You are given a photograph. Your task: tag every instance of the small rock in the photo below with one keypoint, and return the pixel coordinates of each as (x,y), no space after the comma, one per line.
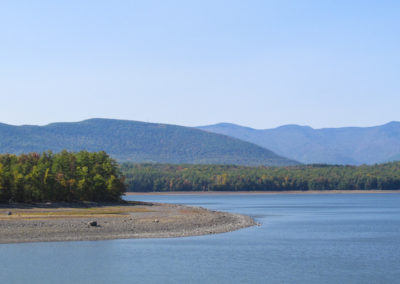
(8,213)
(92,223)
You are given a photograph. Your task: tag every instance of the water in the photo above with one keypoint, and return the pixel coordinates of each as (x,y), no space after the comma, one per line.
(303,239)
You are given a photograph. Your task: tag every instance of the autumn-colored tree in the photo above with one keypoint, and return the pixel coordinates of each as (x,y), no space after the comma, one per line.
(65,176)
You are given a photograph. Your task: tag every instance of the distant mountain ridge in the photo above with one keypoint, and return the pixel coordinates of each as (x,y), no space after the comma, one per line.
(347,145)
(133,141)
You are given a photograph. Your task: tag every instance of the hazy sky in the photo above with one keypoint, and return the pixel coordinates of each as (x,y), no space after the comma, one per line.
(255,63)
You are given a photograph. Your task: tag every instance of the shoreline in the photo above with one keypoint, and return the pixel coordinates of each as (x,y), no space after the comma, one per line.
(63,222)
(264,192)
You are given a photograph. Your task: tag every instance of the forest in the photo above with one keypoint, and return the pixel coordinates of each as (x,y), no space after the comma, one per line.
(162,177)
(95,176)
(65,176)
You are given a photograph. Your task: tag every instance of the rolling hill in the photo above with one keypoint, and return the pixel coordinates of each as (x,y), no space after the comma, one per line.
(348,145)
(133,141)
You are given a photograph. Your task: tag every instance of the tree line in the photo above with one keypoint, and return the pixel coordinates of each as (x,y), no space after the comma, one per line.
(65,176)
(162,177)
(94,176)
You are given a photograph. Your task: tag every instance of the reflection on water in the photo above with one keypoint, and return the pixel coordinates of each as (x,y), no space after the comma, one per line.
(303,239)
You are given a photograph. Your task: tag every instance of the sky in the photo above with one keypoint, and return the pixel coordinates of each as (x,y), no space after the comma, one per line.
(255,63)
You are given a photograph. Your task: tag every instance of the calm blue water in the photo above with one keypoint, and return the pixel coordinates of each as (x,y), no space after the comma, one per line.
(303,239)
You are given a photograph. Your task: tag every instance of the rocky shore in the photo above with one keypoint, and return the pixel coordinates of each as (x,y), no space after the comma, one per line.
(96,221)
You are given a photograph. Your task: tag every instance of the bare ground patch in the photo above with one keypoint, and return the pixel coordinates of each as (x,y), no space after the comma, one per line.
(70,222)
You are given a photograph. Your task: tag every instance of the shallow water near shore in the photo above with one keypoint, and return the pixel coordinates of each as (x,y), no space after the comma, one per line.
(352,238)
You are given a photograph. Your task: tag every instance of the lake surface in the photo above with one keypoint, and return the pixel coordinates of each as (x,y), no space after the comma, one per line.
(333,238)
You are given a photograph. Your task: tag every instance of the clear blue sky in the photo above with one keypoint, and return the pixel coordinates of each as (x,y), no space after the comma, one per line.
(255,63)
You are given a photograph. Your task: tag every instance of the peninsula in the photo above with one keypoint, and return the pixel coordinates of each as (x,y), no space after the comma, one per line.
(78,196)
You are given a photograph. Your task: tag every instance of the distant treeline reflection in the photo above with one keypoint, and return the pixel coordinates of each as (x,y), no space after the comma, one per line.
(166,177)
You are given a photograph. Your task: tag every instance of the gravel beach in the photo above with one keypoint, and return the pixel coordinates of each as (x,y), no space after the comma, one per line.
(71,222)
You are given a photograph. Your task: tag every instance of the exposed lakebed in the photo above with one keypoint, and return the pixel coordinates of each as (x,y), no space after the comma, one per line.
(102,221)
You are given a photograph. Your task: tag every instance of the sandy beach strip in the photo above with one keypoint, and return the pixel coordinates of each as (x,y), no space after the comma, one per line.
(264,192)
(70,222)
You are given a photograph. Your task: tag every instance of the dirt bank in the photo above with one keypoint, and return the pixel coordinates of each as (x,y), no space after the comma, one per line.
(70,222)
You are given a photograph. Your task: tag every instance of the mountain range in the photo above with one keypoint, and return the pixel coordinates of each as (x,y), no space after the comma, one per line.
(133,141)
(223,143)
(347,145)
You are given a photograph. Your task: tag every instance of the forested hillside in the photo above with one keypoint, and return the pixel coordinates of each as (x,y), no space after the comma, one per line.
(64,176)
(137,142)
(346,145)
(156,177)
